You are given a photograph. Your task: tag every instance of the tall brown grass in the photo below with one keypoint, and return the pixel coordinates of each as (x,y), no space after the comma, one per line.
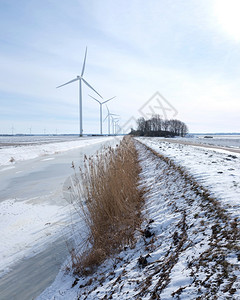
(111,201)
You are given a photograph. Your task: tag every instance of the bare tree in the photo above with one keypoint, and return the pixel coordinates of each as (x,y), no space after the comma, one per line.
(141,124)
(165,125)
(158,127)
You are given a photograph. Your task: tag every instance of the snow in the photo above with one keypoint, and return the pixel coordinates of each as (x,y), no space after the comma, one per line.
(28,225)
(193,251)
(27,228)
(9,155)
(231,141)
(216,169)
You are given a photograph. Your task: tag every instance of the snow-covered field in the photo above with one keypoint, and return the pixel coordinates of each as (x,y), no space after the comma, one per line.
(28,224)
(10,154)
(188,246)
(34,139)
(217,169)
(231,141)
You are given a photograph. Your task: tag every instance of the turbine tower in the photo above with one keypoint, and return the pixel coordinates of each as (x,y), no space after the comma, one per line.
(101,103)
(80,79)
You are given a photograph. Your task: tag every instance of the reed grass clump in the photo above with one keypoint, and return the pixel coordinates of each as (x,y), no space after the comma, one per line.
(111,201)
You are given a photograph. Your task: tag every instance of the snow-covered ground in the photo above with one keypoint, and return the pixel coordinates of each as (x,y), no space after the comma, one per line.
(30,222)
(10,154)
(217,169)
(191,249)
(34,139)
(231,141)
(27,228)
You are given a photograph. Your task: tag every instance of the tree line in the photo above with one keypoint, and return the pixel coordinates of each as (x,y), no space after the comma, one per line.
(159,127)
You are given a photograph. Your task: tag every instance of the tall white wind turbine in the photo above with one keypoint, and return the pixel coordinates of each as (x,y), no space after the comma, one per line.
(101,103)
(80,79)
(109,115)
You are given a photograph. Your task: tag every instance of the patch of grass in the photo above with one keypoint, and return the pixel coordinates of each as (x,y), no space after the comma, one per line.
(111,202)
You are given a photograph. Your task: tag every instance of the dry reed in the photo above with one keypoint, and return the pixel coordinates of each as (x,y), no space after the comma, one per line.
(111,201)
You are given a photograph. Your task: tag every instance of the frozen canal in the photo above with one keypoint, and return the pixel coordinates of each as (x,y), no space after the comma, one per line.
(36,220)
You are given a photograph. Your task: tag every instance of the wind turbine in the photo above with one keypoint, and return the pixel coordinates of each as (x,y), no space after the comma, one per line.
(101,103)
(114,124)
(109,115)
(116,127)
(80,79)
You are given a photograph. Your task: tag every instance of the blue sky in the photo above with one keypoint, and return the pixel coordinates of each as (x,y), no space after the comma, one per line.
(186,50)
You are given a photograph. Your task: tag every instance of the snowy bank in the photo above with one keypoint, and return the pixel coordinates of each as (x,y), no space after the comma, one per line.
(11,155)
(216,169)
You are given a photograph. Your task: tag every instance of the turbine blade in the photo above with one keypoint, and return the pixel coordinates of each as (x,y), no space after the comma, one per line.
(107,109)
(106,117)
(67,83)
(91,87)
(109,99)
(94,99)
(84,62)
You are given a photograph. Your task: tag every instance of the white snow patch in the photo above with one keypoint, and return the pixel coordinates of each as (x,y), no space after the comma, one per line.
(24,227)
(11,155)
(216,169)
